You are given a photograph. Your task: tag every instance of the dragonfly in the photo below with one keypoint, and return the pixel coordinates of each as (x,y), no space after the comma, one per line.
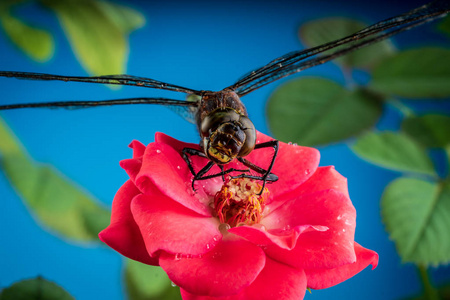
(226,131)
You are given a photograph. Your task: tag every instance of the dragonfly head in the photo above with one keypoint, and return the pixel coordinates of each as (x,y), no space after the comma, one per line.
(226,135)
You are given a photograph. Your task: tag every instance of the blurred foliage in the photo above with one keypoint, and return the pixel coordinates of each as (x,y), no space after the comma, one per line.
(37,43)
(322,31)
(395,151)
(54,200)
(311,108)
(145,282)
(97,31)
(35,289)
(414,74)
(444,26)
(417,216)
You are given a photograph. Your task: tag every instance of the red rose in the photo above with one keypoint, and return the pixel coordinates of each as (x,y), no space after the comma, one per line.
(297,234)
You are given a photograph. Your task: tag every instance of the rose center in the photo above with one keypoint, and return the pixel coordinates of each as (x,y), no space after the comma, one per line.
(238,203)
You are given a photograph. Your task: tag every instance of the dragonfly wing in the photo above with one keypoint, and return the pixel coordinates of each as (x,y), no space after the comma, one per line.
(107,79)
(87,104)
(186,112)
(297,61)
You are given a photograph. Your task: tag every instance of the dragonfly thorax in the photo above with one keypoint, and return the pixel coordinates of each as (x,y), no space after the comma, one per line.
(226,135)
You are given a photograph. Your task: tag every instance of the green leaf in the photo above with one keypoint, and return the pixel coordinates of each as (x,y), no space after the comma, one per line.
(394,151)
(56,202)
(125,18)
(97,32)
(444,26)
(418,73)
(35,289)
(430,130)
(316,111)
(322,31)
(417,216)
(36,43)
(144,282)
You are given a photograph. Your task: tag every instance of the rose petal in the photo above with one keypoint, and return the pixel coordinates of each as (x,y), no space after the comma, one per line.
(324,178)
(138,148)
(285,238)
(276,281)
(228,268)
(325,278)
(177,145)
(166,169)
(293,164)
(123,234)
(132,166)
(167,225)
(315,249)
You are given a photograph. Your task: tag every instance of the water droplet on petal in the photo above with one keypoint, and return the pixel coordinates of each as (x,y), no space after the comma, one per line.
(208,246)
(158,151)
(290,143)
(295,144)
(307,171)
(173,284)
(178,256)
(339,217)
(224,227)
(178,167)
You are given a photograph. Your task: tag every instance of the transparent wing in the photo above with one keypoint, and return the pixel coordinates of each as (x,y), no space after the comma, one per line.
(186,109)
(297,61)
(107,79)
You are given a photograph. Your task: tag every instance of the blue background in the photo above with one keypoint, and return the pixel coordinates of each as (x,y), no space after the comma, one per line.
(202,45)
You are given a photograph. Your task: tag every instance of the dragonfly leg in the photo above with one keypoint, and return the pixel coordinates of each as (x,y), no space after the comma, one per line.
(200,175)
(266,174)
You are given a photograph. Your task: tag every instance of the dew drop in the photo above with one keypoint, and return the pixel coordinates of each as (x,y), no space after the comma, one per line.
(307,171)
(295,144)
(343,230)
(158,151)
(339,217)
(173,284)
(208,246)
(178,167)
(224,227)
(347,222)
(290,143)
(178,256)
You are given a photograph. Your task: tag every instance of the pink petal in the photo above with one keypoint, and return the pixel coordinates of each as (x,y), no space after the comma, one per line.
(325,278)
(324,178)
(228,268)
(138,148)
(316,249)
(164,168)
(123,234)
(174,143)
(285,238)
(276,281)
(132,166)
(169,226)
(293,164)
